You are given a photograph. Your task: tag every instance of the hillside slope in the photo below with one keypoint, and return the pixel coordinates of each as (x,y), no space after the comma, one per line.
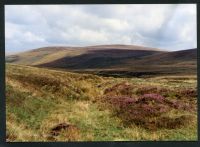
(50,54)
(111,58)
(99,59)
(176,57)
(52,105)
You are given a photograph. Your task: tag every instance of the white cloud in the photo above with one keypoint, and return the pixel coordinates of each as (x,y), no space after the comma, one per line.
(32,38)
(165,26)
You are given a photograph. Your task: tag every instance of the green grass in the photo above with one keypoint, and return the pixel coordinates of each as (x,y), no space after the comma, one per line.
(39,99)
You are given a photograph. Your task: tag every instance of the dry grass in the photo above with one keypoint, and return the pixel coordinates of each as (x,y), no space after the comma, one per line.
(50,105)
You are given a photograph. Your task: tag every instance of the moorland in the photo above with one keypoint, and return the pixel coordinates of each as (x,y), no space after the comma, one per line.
(101,93)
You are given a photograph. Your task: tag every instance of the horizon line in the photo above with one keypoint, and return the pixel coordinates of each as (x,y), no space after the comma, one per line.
(82,46)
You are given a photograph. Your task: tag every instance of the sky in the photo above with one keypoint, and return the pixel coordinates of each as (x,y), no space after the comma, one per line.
(166,26)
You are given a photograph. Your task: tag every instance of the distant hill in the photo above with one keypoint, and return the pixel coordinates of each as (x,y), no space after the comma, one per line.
(110,58)
(48,54)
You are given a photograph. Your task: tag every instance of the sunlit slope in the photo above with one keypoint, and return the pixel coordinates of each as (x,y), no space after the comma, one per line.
(42,55)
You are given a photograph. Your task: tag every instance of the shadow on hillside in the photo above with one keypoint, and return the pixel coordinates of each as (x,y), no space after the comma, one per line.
(98,59)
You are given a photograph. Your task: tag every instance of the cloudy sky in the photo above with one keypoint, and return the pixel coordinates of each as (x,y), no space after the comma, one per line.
(170,27)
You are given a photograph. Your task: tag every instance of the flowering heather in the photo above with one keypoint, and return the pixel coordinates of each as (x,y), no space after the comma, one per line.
(189,93)
(148,107)
(123,88)
(141,110)
(131,110)
(173,123)
(145,90)
(148,90)
(120,102)
(151,97)
(59,106)
(177,104)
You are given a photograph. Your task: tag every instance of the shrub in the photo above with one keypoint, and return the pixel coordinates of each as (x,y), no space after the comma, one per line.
(188,93)
(120,102)
(146,90)
(146,111)
(173,123)
(151,97)
(178,104)
(123,88)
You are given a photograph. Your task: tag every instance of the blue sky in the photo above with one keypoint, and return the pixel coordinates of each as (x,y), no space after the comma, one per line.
(169,27)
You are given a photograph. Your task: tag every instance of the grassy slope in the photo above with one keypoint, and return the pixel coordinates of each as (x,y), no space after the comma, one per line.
(107,58)
(49,54)
(42,55)
(38,99)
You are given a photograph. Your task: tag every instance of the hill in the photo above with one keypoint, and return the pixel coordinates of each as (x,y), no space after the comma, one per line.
(176,57)
(48,54)
(108,59)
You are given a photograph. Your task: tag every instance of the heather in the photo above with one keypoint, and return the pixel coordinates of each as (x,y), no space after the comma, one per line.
(53,105)
(147,111)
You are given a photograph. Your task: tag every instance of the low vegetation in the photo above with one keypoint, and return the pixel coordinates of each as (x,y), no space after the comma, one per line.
(53,105)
